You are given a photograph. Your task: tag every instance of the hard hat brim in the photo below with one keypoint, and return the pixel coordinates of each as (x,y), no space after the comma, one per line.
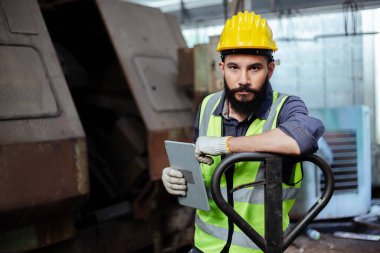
(246,47)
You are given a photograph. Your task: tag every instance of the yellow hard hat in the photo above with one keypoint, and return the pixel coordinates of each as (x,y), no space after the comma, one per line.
(246,31)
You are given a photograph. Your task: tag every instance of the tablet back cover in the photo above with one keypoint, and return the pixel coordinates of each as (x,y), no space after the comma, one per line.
(181,157)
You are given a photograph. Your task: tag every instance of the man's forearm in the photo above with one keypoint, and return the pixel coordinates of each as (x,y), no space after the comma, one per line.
(274,141)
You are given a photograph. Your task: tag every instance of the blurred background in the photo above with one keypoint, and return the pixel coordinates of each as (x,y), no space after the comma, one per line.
(89,91)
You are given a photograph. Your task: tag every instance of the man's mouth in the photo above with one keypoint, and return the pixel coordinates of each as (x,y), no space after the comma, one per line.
(244,90)
(244,93)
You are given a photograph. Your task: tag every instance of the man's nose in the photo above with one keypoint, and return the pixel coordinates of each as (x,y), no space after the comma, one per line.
(244,78)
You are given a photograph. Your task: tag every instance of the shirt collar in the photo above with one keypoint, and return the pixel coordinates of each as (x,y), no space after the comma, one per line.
(261,113)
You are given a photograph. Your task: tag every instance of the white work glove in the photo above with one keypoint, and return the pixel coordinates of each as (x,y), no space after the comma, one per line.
(205,147)
(174,181)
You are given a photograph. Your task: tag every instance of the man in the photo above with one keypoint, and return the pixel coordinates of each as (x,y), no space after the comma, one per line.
(248,116)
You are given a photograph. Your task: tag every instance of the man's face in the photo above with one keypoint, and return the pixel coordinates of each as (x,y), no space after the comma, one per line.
(246,75)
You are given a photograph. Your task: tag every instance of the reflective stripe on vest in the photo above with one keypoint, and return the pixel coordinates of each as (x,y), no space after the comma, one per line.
(254,196)
(210,106)
(268,126)
(238,238)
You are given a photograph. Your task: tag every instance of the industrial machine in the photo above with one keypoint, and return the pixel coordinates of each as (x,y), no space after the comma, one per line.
(84,112)
(348,138)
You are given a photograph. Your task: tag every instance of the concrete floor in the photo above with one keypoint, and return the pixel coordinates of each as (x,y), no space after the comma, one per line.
(330,244)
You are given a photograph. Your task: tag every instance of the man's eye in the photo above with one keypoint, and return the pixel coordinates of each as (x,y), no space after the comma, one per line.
(233,67)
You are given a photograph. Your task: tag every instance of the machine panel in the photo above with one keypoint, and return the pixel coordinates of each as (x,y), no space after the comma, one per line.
(25,90)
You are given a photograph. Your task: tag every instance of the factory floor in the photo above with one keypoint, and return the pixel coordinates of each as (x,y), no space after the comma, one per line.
(368,227)
(328,243)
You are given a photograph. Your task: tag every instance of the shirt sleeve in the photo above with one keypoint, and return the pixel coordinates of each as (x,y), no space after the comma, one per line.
(295,121)
(196,125)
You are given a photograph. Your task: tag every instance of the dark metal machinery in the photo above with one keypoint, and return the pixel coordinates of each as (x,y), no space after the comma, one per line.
(274,241)
(83,116)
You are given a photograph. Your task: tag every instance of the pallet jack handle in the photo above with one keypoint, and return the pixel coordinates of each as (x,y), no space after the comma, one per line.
(274,241)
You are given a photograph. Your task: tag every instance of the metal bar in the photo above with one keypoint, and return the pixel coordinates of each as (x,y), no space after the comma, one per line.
(224,206)
(273,205)
(273,242)
(319,205)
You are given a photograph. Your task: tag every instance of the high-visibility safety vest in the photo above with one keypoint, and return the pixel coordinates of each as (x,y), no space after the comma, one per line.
(211,228)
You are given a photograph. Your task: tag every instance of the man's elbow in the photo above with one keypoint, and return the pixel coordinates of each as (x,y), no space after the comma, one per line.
(308,148)
(303,143)
(297,151)
(294,149)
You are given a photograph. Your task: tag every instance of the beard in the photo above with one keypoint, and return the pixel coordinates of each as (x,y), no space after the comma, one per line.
(246,107)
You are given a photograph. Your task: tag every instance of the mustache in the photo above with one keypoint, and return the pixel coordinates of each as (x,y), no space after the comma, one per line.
(245,88)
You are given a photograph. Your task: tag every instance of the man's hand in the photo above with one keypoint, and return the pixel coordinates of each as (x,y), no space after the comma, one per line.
(174,181)
(205,147)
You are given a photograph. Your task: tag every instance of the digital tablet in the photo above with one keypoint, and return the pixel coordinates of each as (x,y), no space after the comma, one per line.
(181,157)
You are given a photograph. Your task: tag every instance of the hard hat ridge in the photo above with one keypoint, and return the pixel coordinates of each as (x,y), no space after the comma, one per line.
(246,31)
